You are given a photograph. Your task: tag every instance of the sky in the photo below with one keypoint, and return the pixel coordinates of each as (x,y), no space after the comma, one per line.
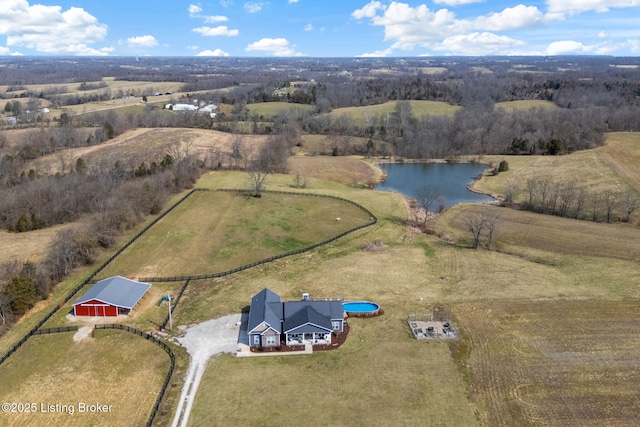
(319,28)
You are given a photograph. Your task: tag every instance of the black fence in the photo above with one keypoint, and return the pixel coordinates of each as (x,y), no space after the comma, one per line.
(373,220)
(162,345)
(44,331)
(91,279)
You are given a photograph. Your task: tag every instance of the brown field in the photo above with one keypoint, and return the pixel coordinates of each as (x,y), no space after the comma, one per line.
(109,369)
(511,106)
(30,246)
(555,363)
(622,153)
(346,170)
(146,144)
(551,233)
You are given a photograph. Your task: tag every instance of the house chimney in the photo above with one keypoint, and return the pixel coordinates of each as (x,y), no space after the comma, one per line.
(305,296)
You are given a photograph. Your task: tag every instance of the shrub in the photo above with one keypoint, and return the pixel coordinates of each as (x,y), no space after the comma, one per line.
(504,166)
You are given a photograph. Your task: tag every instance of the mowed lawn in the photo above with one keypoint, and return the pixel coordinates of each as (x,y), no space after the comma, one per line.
(115,368)
(212,232)
(354,385)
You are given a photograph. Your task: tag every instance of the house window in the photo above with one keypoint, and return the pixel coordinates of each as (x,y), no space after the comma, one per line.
(256,339)
(335,325)
(271,340)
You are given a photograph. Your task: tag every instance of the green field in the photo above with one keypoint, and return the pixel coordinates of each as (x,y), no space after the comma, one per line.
(269,109)
(115,368)
(418,108)
(212,232)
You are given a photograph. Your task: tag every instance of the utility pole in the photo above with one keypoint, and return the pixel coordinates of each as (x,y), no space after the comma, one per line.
(170,320)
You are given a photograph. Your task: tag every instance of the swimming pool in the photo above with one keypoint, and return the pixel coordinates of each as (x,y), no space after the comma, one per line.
(359,307)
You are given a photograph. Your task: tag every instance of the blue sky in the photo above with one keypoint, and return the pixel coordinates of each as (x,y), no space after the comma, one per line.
(319,28)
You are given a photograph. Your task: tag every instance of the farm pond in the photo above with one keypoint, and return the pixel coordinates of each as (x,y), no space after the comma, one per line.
(451,180)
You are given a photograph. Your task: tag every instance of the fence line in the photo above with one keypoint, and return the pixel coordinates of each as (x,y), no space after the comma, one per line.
(162,345)
(373,220)
(187,279)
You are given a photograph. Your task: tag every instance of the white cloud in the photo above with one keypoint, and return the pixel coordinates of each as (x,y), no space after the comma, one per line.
(409,27)
(226,3)
(275,47)
(216,31)
(215,18)
(293,1)
(4,50)
(559,8)
(565,47)
(456,2)
(217,52)
(571,47)
(308,27)
(369,10)
(478,44)
(253,7)
(194,9)
(511,18)
(50,29)
(603,34)
(377,53)
(142,41)
(193,47)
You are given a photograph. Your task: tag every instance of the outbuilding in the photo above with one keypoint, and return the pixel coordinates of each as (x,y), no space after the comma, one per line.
(110,297)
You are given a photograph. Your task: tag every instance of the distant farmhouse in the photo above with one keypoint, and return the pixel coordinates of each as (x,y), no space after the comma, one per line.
(110,297)
(273,322)
(204,109)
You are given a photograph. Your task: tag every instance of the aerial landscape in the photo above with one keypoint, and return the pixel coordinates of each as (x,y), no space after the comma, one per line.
(436,224)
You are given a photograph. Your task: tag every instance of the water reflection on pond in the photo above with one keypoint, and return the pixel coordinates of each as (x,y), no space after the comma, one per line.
(451,179)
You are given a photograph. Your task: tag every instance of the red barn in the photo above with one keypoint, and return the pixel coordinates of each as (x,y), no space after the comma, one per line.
(110,297)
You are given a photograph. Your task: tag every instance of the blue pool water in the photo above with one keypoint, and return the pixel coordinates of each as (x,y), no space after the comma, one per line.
(360,307)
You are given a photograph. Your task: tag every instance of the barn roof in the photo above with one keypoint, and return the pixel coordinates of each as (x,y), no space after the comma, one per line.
(117,290)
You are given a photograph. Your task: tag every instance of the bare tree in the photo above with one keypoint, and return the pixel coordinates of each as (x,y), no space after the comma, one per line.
(631,201)
(257,180)
(609,201)
(425,196)
(479,224)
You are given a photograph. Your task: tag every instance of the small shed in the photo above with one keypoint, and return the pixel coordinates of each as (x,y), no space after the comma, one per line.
(110,297)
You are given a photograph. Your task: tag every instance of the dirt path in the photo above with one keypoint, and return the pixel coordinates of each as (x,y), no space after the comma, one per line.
(203,341)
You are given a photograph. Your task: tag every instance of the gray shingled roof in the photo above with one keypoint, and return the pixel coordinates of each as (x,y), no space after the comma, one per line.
(117,290)
(265,307)
(305,315)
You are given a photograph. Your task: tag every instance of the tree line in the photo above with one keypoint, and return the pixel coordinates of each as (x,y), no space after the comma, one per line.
(568,199)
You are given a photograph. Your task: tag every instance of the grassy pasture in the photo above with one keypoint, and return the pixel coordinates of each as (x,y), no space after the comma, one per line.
(353,385)
(270,109)
(553,362)
(214,231)
(551,233)
(622,153)
(345,170)
(115,368)
(29,246)
(418,108)
(586,168)
(511,106)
